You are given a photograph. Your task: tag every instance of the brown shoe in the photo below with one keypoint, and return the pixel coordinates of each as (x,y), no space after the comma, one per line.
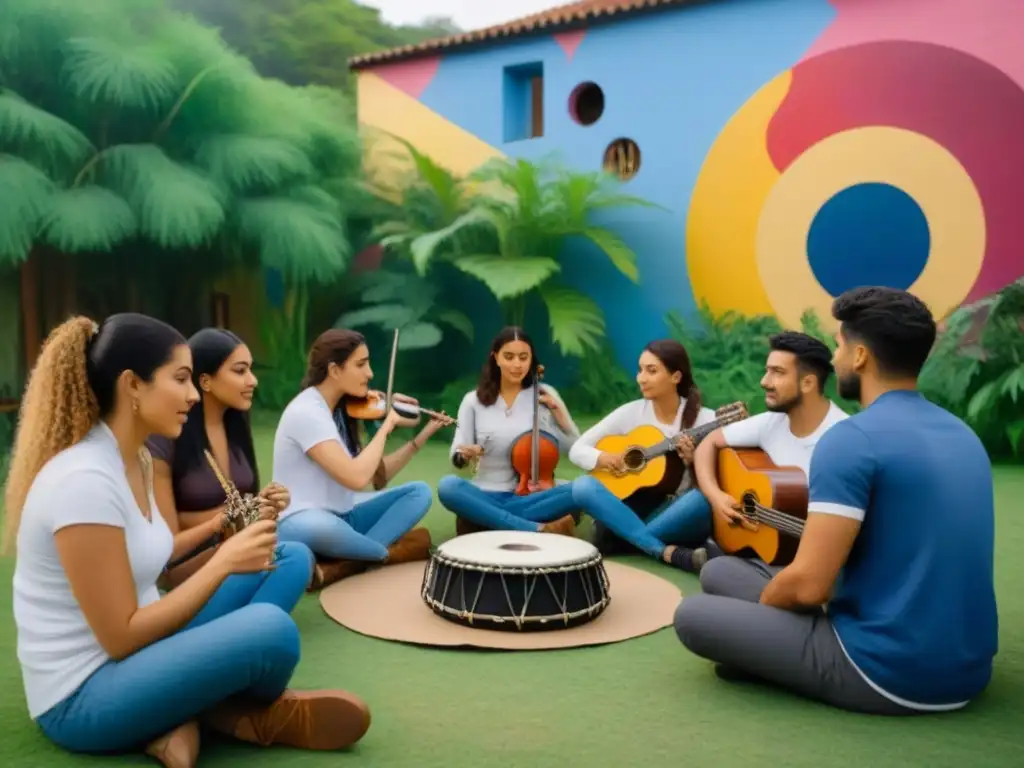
(327,572)
(564,526)
(320,720)
(463,526)
(177,749)
(415,545)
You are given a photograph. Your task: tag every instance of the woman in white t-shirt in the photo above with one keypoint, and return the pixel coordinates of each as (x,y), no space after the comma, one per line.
(671,402)
(108,663)
(491,418)
(319,459)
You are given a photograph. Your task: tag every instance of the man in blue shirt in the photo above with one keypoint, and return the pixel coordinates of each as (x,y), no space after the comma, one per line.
(889,605)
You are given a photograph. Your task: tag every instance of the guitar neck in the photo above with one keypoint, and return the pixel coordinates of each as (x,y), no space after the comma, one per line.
(694,433)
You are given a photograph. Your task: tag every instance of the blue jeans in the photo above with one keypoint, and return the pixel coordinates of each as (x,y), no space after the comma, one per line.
(686,520)
(242,642)
(364,532)
(504,510)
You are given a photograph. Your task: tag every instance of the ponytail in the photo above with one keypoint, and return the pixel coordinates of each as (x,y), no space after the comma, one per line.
(57,410)
(692,408)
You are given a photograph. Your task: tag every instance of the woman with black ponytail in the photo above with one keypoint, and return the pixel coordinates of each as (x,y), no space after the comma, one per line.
(671,402)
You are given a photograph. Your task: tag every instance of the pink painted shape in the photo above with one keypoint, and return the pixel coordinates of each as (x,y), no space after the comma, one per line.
(570,41)
(987,29)
(411,77)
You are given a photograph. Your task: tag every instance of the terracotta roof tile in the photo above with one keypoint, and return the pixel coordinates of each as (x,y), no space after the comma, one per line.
(555,19)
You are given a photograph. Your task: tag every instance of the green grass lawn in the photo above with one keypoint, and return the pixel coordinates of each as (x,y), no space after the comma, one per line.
(644,702)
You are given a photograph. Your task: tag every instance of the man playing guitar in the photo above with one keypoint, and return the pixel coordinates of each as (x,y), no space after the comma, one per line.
(796,372)
(889,605)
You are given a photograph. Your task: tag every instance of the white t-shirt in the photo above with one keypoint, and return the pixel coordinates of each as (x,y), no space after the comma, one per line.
(770,432)
(624,420)
(307,421)
(496,427)
(85,484)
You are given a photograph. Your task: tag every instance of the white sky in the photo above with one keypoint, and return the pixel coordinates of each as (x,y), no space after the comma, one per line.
(468,14)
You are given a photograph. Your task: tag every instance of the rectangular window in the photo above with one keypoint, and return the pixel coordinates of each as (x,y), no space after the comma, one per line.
(524,101)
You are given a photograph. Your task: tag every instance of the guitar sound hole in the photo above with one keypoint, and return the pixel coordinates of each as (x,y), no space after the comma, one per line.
(749,504)
(633,458)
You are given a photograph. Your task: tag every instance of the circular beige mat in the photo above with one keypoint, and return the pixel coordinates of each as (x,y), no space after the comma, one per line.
(386,603)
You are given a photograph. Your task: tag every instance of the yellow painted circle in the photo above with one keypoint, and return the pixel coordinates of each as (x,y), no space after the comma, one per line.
(920,167)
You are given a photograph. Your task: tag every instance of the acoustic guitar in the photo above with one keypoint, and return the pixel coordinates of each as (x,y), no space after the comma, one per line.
(654,470)
(772,499)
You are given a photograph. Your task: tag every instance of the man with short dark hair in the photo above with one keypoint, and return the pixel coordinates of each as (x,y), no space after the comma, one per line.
(796,371)
(889,605)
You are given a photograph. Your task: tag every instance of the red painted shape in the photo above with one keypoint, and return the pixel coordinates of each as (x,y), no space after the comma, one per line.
(411,77)
(570,41)
(972,109)
(368,260)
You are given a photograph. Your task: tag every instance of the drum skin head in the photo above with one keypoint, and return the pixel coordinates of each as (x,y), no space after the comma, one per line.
(386,603)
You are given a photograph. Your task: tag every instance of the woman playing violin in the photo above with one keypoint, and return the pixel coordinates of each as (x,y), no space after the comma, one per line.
(319,458)
(491,418)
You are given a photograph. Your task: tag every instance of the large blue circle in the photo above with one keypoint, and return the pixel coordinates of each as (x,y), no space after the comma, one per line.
(868,234)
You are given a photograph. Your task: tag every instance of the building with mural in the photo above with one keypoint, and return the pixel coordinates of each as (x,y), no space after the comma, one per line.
(796,148)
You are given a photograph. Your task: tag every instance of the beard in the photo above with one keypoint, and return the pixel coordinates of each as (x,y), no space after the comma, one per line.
(848,386)
(784,406)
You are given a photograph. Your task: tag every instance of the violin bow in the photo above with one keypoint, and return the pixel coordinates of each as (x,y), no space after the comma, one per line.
(391,373)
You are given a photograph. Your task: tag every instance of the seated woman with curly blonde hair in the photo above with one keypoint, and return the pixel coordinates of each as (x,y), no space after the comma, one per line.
(107,663)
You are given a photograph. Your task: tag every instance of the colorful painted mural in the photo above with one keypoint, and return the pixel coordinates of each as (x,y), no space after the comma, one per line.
(798,147)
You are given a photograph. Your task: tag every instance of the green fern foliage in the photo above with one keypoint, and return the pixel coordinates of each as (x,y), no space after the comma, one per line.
(122,121)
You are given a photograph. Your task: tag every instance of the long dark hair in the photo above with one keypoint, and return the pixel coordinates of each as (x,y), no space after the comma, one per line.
(73,385)
(675,358)
(489,385)
(335,346)
(211,347)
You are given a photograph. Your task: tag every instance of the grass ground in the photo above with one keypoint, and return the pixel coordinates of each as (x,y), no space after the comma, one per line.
(644,702)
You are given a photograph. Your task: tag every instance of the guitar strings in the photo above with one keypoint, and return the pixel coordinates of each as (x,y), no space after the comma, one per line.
(778,520)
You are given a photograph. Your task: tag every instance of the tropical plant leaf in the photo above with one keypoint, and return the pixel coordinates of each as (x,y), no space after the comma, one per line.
(176,206)
(1015,434)
(1013,384)
(424,248)
(106,71)
(508,278)
(87,218)
(387,316)
(242,163)
(36,135)
(615,248)
(25,193)
(577,323)
(419,335)
(984,400)
(301,241)
(457,320)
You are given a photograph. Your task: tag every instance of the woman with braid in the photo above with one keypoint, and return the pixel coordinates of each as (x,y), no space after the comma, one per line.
(671,402)
(108,663)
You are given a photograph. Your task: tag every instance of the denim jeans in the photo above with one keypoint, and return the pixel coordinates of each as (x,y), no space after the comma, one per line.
(364,532)
(504,510)
(686,520)
(242,642)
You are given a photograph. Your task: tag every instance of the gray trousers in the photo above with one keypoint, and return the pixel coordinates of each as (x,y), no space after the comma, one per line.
(796,651)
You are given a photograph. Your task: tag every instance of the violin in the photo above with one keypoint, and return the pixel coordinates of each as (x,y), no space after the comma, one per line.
(535,453)
(373,407)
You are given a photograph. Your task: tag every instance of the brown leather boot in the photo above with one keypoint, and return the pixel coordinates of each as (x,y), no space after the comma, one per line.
(327,572)
(415,545)
(321,720)
(463,526)
(565,526)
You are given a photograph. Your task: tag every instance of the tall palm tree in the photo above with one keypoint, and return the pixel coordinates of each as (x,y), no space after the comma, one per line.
(122,123)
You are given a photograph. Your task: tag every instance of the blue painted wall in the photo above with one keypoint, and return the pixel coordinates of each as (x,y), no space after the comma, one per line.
(671,80)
